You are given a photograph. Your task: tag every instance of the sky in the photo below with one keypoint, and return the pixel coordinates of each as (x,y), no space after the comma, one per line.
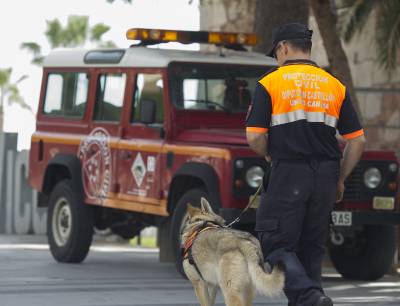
(25,21)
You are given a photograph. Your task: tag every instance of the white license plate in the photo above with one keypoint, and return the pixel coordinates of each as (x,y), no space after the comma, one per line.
(386,203)
(342,218)
(256,202)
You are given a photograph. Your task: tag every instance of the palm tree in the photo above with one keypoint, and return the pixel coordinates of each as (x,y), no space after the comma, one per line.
(326,18)
(9,92)
(76,33)
(387,35)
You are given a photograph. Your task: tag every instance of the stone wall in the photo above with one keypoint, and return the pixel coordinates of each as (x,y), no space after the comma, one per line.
(227,15)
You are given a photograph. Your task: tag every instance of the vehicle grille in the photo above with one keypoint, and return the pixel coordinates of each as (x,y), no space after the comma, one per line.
(353,185)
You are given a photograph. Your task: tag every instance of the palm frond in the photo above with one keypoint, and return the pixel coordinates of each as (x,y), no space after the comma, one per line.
(32,47)
(353,20)
(388,34)
(5,75)
(97,31)
(35,49)
(14,97)
(12,90)
(76,31)
(21,79)
(38,60)
(54,33)
(21,103)
(13,94)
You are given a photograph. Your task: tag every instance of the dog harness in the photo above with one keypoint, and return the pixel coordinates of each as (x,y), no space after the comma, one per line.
(187,247)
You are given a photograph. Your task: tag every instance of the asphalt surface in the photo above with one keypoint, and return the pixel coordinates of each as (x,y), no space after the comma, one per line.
(119,275)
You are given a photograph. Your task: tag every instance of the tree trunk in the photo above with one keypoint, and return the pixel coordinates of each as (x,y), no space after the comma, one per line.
(338,62)
(272,13)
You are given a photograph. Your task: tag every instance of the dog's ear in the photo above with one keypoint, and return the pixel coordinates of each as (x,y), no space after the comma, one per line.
(191,210)
(205,206)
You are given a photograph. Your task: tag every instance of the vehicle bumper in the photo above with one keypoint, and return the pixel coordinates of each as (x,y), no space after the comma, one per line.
(358,217)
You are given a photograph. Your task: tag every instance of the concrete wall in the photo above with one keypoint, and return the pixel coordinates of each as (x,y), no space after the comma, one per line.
(19,213)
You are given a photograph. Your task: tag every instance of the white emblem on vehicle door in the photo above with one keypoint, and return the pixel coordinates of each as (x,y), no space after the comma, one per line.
(138,169)
(95,154)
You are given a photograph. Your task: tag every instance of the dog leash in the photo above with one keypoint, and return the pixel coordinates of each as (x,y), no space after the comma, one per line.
(246,208)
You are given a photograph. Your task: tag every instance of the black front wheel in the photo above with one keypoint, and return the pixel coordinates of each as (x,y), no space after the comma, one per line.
(69,224)
(367,255)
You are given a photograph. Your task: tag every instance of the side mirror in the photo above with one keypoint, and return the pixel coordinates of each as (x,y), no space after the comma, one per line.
(148,111)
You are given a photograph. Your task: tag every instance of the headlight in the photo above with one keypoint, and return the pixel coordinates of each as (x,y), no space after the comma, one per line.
(254,176)
(372,178)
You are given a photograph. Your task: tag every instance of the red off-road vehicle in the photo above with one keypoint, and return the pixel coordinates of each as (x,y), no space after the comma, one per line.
(125,138)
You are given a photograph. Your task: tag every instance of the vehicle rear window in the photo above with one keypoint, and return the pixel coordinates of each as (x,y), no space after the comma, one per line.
(110,97)
(66,94)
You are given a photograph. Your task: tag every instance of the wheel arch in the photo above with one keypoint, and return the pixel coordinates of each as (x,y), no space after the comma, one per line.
(62,166)
(194,175)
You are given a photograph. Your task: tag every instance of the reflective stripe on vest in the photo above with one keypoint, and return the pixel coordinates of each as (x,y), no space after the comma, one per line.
(302,114)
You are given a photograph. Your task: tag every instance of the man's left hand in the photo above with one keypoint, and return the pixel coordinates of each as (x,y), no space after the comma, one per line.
(340,191)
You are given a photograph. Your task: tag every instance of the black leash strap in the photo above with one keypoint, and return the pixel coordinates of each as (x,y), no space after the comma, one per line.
(251,202)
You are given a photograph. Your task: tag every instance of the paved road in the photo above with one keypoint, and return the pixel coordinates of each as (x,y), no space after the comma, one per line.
(121,276)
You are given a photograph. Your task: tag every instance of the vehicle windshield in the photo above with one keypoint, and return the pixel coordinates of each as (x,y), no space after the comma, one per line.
(213,87)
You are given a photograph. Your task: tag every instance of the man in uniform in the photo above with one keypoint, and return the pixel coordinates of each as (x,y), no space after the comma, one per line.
(295,113)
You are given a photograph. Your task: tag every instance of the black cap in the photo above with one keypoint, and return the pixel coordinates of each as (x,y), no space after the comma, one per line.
(289,31)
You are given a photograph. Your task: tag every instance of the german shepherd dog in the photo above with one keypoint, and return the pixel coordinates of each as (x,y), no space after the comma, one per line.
(222,257)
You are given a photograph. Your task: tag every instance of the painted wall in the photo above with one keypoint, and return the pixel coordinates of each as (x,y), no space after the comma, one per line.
(19,213)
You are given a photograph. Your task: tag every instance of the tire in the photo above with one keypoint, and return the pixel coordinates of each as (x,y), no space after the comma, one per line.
(69,224)
(193,197)
(368,255)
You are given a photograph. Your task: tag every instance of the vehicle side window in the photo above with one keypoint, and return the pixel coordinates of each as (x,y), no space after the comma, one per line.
(148,87)
(110,97)
(66,94)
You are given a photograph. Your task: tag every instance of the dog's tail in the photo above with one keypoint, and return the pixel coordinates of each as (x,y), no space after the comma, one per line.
(268,284)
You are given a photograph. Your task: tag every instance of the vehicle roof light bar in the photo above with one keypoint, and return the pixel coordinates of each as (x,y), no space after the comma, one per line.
(227,39)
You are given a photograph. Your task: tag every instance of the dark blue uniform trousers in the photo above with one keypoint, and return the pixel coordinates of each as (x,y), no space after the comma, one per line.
(293,223)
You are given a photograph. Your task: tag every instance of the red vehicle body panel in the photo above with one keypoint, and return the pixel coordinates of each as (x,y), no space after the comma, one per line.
(215,139)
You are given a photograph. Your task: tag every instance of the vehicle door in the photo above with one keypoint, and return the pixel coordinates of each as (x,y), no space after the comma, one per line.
(143,139)
(99,149)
